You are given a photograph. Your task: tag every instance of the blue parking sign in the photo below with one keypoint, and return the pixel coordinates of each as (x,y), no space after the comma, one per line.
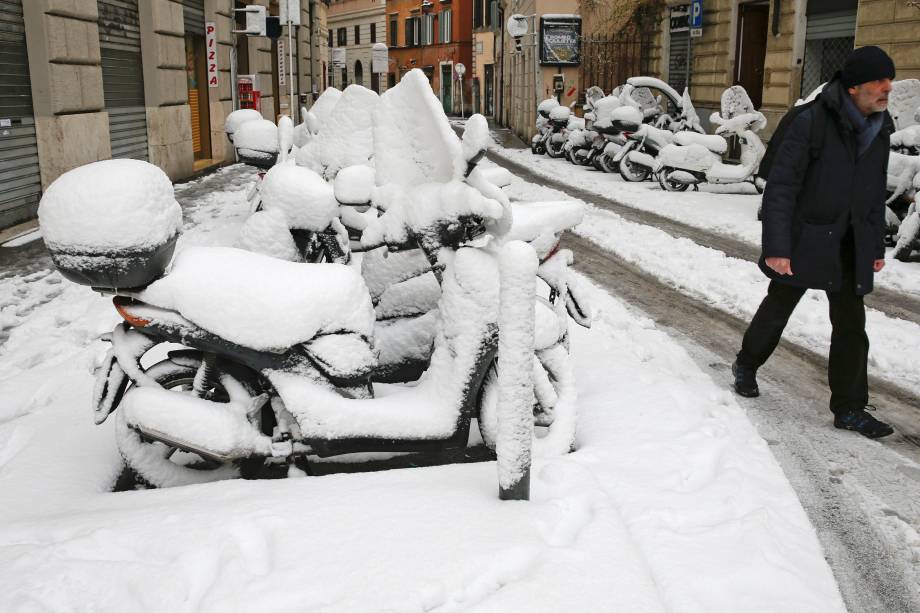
(696,14)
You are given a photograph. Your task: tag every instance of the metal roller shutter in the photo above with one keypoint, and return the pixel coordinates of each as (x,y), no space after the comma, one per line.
(20,178)
(123,78)
(193,14)
(829,38)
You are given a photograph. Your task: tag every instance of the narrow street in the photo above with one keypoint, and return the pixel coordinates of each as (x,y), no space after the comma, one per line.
(862,496)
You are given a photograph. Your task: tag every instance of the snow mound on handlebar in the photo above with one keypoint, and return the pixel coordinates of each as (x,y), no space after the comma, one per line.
(346,136)
(267,232)
(261,302)
(110,205)
(476,136)
(354,185)
(305,198)
(413,141)
(428,207)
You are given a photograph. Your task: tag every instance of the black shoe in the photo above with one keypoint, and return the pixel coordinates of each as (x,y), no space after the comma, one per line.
(860,421)
(745,381)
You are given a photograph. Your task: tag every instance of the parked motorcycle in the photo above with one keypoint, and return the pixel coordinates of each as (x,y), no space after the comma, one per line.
(697,158)
(579,140)
(544,127)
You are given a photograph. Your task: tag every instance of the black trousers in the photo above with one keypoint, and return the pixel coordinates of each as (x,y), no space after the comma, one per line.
(848,364)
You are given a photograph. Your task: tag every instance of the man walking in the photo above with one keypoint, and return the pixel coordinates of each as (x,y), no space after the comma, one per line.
(824,228)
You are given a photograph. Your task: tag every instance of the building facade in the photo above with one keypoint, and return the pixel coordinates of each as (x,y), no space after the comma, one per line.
(487,28)
(525,78)
(356,26)
(779,50)
(434,36)
(88,80)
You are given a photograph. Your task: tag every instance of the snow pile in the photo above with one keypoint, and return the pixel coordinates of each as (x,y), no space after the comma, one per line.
(354,185)
(109,205)
(239,117)
(346,136)
(323,106)
(262,302)
(413,141)
(904,102)
(285,137)
(546,106)
(257,139)
(907,137)
(814,94)
(735,101)
(476,136)
(303,196)
(560,113)
(268,233)
(688,114)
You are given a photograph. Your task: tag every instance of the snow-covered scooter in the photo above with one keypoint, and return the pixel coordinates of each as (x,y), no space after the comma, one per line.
(698,158)
(544,127)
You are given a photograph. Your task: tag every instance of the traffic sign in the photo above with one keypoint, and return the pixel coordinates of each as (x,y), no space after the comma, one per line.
(696,14)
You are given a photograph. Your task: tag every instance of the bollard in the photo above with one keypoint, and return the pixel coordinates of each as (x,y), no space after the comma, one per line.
(514,439)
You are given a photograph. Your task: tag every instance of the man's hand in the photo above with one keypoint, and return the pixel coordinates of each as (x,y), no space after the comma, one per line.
(781,265)
(878,265)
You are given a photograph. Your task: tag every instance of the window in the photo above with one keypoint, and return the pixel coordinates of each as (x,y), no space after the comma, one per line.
(357,35)
(344,77)
(492,14)
(477,13)
(341,37)
(329,32)
(427,30)
(444,26)
(391,79)
(394,34)
(373,32)
(413,31)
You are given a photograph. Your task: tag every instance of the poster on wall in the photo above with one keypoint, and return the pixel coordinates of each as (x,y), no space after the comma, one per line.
(282,60)
(380,58)
(560,40)
(210,31)
(338,56)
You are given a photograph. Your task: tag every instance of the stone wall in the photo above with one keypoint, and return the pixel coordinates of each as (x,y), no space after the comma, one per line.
(893,25)
(169,133)
(62,39)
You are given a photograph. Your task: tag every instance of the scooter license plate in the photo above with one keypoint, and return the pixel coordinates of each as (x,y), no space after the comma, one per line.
(110,387)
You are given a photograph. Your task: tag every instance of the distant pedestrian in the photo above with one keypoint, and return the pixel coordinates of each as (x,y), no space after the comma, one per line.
(824,228)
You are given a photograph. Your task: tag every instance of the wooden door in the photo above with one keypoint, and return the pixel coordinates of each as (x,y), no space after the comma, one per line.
(751,49)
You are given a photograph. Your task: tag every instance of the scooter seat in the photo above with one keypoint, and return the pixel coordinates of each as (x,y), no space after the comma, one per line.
(262,302)
(531,220)
(713,142)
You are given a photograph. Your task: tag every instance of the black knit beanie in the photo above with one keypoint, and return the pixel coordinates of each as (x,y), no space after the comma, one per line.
(866,64)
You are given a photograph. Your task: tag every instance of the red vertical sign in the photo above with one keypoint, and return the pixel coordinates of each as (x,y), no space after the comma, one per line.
(210,30)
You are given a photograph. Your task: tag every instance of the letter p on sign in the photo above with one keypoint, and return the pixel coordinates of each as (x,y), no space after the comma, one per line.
(696,14)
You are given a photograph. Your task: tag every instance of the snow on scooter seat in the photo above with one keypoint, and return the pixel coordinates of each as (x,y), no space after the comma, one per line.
(261,302)
(304,197)
(257,139)
(109,206)
(239,117)
(413,140)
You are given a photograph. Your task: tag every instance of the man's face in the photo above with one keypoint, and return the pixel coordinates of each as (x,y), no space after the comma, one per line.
(871,97)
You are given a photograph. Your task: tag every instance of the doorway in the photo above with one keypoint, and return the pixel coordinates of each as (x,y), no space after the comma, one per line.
(359,73)
(446,86)
(196,80)
(751,49)
(490,80)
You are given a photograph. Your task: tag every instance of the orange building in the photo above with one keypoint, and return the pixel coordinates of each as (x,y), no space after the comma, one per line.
(433,35)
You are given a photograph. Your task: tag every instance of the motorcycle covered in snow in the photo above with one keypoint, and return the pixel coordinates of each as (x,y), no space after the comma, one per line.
(278,360)
(544,126)
(699,158)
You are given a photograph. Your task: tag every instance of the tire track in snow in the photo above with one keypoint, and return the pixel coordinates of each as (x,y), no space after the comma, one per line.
(856,492)
(885,300)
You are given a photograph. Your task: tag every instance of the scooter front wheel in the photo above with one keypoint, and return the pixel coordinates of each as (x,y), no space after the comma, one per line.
(537,148)
(161,465)
(553,150)
(669,184)
(571,157)
(607,164)
(633,172)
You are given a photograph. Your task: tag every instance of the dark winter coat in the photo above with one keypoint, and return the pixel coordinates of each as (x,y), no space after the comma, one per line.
(811,202)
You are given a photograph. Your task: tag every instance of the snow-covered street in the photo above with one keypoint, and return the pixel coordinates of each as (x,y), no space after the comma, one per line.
(672,501)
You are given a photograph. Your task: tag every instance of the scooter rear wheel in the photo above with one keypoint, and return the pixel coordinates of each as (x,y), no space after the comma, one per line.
(607,164)
(670,184)
(633,172)
(160,465)
(553,150)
